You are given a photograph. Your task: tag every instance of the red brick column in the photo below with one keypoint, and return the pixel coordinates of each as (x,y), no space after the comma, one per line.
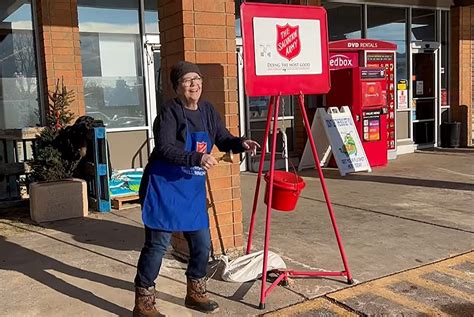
(461,81)
(203,32)
(60,48)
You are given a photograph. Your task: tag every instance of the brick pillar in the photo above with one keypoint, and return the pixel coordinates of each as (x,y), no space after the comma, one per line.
(203,32)
(60,48)
(461,81)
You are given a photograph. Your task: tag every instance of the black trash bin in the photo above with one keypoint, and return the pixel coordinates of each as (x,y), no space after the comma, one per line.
(450,134)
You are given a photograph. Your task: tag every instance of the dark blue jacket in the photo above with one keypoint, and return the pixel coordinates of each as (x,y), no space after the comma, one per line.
(169,130)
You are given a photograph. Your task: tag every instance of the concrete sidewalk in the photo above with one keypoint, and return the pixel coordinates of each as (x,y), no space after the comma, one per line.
(416,211)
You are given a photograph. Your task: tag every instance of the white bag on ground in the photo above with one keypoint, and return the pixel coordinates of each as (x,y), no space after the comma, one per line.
(249,267)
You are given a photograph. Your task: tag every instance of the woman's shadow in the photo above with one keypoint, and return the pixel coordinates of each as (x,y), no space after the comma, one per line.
(36,266)
(124,234)
(116,233)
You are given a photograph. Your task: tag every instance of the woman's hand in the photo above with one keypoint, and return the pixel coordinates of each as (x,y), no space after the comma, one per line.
(251,147)
(208,161)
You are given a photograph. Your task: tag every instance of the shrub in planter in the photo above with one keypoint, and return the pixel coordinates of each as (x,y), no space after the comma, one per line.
(55,194)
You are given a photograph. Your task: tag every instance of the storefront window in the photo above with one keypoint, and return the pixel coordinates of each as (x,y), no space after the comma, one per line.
(19,105)
(351,15)
(423,25)
(238,30)
(151,17)
(389,24)
(111,60)
(258,112)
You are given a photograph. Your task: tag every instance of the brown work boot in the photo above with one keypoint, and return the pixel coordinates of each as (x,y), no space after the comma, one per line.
(145,303)
(196,297)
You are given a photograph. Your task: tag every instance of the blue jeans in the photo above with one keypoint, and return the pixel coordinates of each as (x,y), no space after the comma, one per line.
(156,243)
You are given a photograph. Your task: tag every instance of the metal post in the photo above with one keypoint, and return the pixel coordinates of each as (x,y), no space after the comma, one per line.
(263,292)
(259,177)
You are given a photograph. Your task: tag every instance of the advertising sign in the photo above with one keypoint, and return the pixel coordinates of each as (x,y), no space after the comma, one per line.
(285,49)
(402,94)
(372,93)
(387,61)
(402,99)
(341,137)
(343,60)
(362,44)
(444,97)
(371,125)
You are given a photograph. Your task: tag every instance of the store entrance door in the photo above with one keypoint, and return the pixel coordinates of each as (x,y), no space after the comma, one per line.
(424,92)
(154,93)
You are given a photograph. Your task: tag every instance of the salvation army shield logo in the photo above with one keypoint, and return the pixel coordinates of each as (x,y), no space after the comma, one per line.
(288,41)
(201,147)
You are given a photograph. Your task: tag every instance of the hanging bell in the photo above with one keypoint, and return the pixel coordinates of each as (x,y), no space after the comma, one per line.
(227,157)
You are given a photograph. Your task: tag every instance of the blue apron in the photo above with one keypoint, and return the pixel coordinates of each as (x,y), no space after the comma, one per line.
(176,195)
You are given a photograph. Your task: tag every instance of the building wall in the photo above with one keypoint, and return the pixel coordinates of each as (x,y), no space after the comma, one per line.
(462,39)
(197,31)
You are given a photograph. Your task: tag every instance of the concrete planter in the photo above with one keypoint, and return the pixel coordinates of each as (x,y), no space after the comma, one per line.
(58,200)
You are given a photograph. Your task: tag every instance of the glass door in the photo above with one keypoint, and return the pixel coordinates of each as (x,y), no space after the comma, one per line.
(424,91)
(154,93)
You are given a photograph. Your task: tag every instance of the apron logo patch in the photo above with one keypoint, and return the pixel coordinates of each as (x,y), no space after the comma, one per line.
(201,147)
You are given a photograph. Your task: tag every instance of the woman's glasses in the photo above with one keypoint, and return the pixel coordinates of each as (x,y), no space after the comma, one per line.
(189,82)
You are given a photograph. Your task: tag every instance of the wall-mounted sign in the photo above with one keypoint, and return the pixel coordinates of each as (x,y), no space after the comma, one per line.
(444,97)
(402,97)
(419,88)
(402,94)
(285,49)
(402,84)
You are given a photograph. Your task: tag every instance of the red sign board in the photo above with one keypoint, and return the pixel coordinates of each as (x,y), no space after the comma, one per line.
(342,60)
(285,49)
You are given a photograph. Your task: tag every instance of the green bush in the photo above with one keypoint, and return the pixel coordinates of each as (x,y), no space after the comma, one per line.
(53,160)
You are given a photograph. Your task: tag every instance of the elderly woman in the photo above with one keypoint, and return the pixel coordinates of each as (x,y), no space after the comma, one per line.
(173,190)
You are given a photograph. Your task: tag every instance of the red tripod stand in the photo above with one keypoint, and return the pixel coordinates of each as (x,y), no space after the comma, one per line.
(273,107)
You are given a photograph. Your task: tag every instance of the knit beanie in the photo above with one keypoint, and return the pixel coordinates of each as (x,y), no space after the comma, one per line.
(181,69)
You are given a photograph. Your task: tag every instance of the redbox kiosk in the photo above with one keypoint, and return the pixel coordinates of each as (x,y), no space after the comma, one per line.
(364,90)
(370,53)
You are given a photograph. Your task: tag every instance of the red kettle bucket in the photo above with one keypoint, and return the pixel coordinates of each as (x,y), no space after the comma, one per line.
(286,190)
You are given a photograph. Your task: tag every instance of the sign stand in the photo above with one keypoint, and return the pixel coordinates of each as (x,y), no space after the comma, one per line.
(337,137)
(273,107)
(285,53)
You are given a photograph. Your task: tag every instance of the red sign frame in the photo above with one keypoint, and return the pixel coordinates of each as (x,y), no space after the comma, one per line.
(274,85)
